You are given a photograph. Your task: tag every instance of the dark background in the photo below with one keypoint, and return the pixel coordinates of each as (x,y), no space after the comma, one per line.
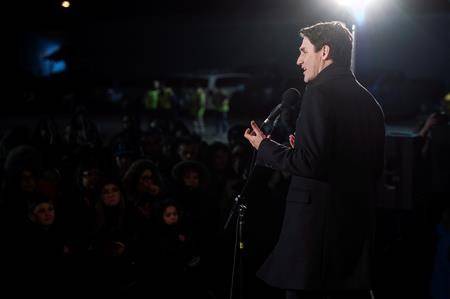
(131,42)
(402,56)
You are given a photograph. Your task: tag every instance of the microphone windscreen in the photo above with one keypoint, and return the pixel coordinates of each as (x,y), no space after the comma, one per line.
(291,98)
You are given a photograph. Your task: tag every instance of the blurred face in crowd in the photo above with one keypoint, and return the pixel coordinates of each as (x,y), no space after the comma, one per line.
(221,160)
(90,178)
(187,151)
(145,209)
(147,183)
(28,181)
(170,215)
(43,214)
(191,178)
(151,145)
(310,61)
(111,195)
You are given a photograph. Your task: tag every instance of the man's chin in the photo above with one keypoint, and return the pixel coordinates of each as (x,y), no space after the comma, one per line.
(305,78)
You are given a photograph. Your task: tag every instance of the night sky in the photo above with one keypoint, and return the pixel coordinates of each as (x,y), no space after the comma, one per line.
(134,40)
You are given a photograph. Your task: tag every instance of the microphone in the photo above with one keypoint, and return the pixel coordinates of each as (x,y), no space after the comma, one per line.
(290,100)
(269,123)
(272,116)
(290,108)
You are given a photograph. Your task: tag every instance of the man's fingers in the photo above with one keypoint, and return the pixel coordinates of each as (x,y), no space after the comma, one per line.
(256,128)
(247,134)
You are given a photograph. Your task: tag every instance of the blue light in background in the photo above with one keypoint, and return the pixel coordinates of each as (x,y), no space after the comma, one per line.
(48,48)
(49,67)
(43,64)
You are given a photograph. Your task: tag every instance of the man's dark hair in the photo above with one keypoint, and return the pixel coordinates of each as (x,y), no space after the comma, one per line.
(333,34)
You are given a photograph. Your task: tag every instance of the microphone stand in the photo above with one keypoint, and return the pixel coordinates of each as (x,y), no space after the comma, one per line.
(241,207)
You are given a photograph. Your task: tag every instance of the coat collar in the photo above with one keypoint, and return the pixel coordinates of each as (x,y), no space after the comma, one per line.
(331,72)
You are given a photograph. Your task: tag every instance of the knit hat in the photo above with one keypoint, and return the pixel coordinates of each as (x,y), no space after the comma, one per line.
(35,201)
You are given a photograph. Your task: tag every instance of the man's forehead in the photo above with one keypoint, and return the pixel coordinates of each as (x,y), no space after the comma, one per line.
(305,43)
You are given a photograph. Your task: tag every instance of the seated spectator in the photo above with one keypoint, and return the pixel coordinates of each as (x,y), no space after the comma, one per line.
(178,259)
(145,231)
(219,162)
(112,230)
(143,179)
(41,238)
(152,148)
(200,208)
(78,207)
(174,240)
(188,149)
(37,249)
(22,172)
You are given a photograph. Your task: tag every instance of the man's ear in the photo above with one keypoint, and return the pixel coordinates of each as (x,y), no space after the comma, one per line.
(325,52)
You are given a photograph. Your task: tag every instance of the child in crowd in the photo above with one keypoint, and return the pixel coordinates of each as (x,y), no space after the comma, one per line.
(41,238)
(112,229)
(174,240)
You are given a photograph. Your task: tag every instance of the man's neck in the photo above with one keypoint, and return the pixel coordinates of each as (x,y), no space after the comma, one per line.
(326,64)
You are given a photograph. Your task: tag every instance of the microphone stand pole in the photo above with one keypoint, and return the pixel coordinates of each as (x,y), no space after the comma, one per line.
(241,207)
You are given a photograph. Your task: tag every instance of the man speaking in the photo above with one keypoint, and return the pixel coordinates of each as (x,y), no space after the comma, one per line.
(325,246)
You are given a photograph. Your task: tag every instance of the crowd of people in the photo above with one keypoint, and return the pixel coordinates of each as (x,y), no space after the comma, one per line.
(145,209)
(161,100)
(156,199)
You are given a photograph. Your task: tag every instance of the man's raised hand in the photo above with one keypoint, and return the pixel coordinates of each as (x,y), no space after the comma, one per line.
(254,135)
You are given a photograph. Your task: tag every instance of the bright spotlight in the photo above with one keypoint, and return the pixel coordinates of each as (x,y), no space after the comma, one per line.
(354,3)
(357,7)
(344,2)
(65,4)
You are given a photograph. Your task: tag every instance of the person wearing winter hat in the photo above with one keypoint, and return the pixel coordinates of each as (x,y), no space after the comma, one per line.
(40,237)
(191,174)
(41,211)
(112,229)
(143,179)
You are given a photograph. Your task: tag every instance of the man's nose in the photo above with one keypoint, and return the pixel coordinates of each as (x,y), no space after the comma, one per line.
(299,61)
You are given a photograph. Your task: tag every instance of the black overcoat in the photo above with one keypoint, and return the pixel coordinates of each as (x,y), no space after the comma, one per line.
(326,241)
